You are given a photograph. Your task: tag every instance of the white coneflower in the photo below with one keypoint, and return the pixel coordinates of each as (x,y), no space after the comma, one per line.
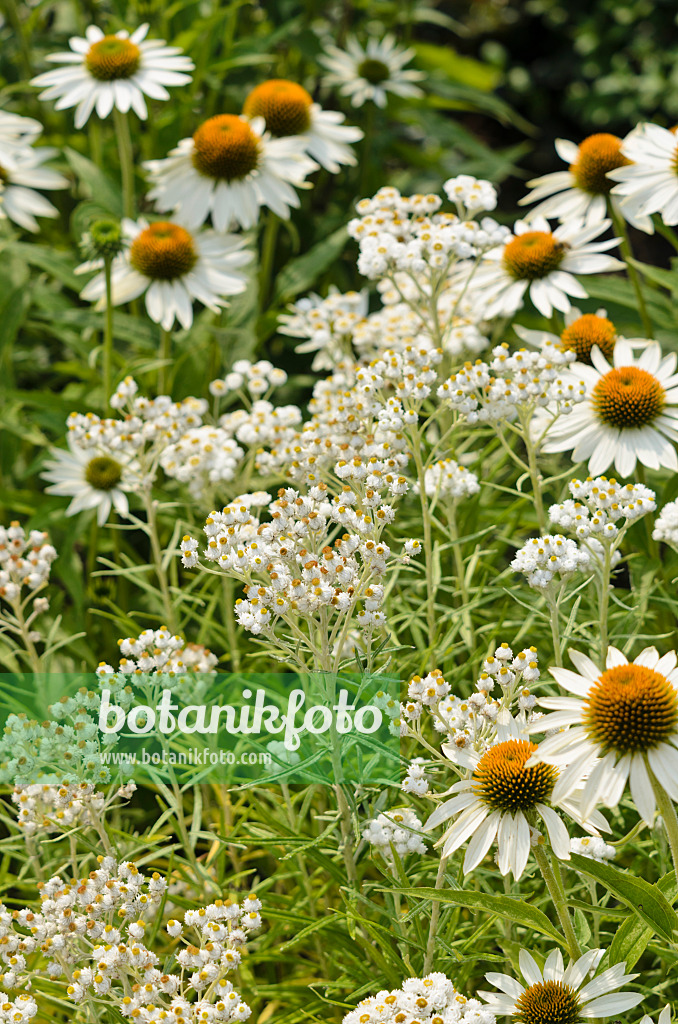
(629,415)
(371,72)
(229,169)
(94,480)
(618,725)
(288,109)
(115,70)
(559,994)
(496,801)
(542,263)
(21,173)
(173,267)
(648,183)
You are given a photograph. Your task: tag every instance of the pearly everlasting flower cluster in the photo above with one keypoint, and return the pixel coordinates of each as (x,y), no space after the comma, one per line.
(92,932)
(448,480)
(202,458)
(470,195)
(396,830)
(543,559)
(328,325)
(415,781)
(48,808)
(288,565)
(25,561)
(503,688)
(666,524)
(156,657)
(514,385)
(421,1001)
(598,505)
(253,379)
(594,847)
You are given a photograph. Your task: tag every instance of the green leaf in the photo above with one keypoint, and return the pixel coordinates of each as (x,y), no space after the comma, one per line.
(509,907)
(633,937)
(466,70)
(98,184)
(301,273)
(646,901)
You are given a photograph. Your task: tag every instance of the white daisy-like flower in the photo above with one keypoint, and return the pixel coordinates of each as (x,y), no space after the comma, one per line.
(582,331)
(288,109)
(230,168)
(649,183)
(582,191)
(173,267)
(21,173)
(559,994)
(117,70)
(15,128)
(629,415)
(619,725)
(663,1018)
(94,480)
(371,72)
(542,263)
(495,802)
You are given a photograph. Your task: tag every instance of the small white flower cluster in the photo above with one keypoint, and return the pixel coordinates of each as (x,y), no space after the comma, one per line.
(24,562)
(666,525)
(594,847)
(288,565)
(46,808)
(472,721)
(415,781)
(92,929)
(327,323)
(262,424)
(155,652)
(202,458)
(448,480)
(541,559)
(598,505)
(255,379)
(421,1001)
(399,829)
(513,383)
(470,195)
(409,234)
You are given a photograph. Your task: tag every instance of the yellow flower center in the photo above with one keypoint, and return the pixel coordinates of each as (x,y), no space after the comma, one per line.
(284,106)
(112,58)
(628,397)
(103,473)
(163,251)
(374,71)
(585,332)
(533,255)
(504,783)
(225,147)
(597,155)
(548,1002)
(630,708)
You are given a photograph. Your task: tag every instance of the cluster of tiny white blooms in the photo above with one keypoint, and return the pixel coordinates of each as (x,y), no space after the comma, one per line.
(397,326)
(415,781)
(15,1011)
(593,847)
(177,665)
(429,1000)
(470,195)
(398,828)
(91,932)
(541,559)
(253,379)
(598,505)
(25,561)
(411,234)
(288,565)
(202,458)
(50,808)
(514,384)
(666,525)
(327,325)
(447,479)
(502,689)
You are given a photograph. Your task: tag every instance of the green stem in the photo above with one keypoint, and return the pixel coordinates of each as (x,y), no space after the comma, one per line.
(432,625)
(627,254)
(535,477)
(604,605)
(554,612)
(126,154)
(156,551)
(668,813)
(461,576)
(435,917)
(165,362)
(668,233)
(108,338)
(559,902)
(268,244)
